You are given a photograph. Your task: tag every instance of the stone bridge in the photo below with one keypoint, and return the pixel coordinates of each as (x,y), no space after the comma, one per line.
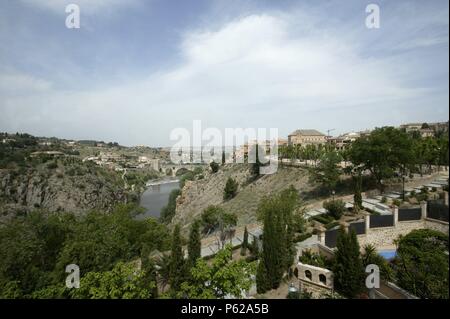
(176,167)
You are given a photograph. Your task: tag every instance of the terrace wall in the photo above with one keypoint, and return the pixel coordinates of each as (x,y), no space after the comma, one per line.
(382,231)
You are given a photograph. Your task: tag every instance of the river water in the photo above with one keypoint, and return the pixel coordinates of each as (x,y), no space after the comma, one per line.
(156,196)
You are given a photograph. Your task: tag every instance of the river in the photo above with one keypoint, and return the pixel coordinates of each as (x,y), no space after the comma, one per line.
(156,196)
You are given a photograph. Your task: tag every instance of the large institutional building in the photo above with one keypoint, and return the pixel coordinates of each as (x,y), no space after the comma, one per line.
(306,137)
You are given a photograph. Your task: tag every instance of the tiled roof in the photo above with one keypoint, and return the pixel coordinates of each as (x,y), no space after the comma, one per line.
(307,132)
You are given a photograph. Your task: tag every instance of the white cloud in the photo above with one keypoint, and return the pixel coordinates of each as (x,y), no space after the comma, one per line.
(252,72)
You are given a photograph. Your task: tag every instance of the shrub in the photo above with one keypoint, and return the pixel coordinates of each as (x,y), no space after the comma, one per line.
(323,218)
(311,258)
(384,200)
(421,197)
(397,202)
(301,237)
(214,167)
(335,208)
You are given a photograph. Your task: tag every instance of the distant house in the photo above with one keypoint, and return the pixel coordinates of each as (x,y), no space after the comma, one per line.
(282,142)
(339,142)
(306,137)
(411,127)
(426,129)
(427,132)
(439,126)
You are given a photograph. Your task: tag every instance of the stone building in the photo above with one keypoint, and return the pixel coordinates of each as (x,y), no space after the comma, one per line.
(315,280)
(306,137)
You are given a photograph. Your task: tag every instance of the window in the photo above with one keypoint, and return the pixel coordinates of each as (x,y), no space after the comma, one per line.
(323,279)
(308,274)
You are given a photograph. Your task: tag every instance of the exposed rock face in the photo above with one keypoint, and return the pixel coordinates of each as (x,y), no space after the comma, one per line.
(199,194)
(56,191)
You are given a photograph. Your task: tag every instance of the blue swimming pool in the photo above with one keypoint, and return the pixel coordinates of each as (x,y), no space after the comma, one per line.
(388,254)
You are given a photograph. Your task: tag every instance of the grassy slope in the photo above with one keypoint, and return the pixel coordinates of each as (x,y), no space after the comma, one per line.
(199,194)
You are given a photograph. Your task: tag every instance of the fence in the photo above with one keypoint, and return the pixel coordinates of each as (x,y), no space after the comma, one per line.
(331,237)
(436,209)
(405,214)
(332,234)
(381,221)
(358,227)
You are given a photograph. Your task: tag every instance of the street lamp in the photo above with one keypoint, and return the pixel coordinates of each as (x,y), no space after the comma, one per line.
(332,193)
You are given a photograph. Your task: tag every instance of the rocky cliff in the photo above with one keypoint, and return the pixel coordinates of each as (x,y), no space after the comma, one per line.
(62,186)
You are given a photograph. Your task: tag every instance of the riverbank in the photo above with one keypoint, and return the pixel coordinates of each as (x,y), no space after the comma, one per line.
(161,182)
(156,195)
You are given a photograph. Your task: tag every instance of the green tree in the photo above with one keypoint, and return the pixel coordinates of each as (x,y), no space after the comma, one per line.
(278,250)
(218,279)
(216,220)
(327,172)
(348,268)
(255,167)
(177,262)
(194,244)
(124,281)
(223,157)
(335,208)
(383,152)
(244,245)
(421,265)
(230,190)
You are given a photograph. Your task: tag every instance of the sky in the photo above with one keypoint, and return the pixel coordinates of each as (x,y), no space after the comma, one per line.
(136,70)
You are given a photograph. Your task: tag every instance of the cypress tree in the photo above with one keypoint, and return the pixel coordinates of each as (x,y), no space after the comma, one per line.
(194,245)
(262,284)
(357,198)
(255,166)
(348,270)
(223,157)
(278,247)
(177,271)
(244,245)
(272,254)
